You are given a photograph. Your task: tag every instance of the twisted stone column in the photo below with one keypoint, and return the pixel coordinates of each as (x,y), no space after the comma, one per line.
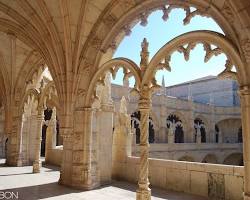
(39,124)
(245,113)
(144,192)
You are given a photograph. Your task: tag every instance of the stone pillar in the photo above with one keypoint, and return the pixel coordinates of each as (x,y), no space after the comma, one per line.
(13,145)
(171,136)
(122,143)
(245,113)
(105,121)
(144,192)
(39,124)
(198,135)
(50,136)
(87,151)
(66,165)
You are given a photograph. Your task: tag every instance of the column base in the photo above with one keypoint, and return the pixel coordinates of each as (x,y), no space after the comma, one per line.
(37,166)
(143,194)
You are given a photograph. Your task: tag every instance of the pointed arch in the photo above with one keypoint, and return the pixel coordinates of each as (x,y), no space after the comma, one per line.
(117,62)
(209,37)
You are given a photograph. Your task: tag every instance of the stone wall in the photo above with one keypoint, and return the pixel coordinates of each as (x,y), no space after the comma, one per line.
(187,111)
(206,90)
(195,151)
(209,180)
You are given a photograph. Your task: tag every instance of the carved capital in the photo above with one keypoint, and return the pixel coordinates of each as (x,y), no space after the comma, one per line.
(107,107)
(244,90)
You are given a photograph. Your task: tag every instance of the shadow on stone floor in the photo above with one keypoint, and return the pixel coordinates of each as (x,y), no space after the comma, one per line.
(41,191)
(159,193)
(56,190)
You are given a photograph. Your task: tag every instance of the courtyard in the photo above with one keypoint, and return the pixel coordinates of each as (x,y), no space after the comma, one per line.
(45,185)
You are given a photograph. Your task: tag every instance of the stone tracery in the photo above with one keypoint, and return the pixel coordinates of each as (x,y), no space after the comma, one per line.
(56,49)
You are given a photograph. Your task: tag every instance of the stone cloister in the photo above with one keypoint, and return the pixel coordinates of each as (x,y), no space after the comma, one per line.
(75,41)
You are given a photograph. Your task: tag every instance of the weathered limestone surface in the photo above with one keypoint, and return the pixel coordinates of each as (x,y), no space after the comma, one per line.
(74,39)
(209,180)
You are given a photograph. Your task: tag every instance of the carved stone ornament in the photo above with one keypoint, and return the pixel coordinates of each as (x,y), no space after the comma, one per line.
(246,49)
(228,73)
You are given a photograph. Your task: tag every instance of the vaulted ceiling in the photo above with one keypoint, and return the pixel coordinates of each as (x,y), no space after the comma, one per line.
(71,36)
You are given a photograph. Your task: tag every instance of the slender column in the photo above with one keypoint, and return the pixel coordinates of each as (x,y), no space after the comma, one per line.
(39,123)
(51,132)
(245,113)
(144,192)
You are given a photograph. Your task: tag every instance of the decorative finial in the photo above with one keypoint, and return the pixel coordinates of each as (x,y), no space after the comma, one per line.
(163,86)
(144,54)
(163,81)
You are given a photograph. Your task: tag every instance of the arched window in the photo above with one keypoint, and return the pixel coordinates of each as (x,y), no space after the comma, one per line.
(47,116)
(217,130)
(199,124)
(178,128)
(135,123)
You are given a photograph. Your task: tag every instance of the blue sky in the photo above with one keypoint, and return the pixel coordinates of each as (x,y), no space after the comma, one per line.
(159,32)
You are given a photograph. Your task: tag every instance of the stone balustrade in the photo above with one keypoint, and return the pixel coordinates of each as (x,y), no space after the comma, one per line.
(197,151)
(208,180)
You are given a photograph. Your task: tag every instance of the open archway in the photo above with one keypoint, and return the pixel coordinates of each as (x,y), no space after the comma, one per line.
(234,159)
(175,122)
(186,158)
(210,158)
(135,123)
(200,130)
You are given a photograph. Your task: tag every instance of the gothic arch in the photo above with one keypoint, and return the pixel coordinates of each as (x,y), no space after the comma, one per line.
(135,123)
(30,93)
(186,158)
(49,94)
(112,66)
(201,125)
(8,26)
(31,65)
(210,158)
(133,14)
(108,31)
(182,117)
(195,37)
(229,129)
(234,159)
(205,120)
(179,132)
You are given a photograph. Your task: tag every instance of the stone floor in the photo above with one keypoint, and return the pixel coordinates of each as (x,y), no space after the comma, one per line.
(44,186)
